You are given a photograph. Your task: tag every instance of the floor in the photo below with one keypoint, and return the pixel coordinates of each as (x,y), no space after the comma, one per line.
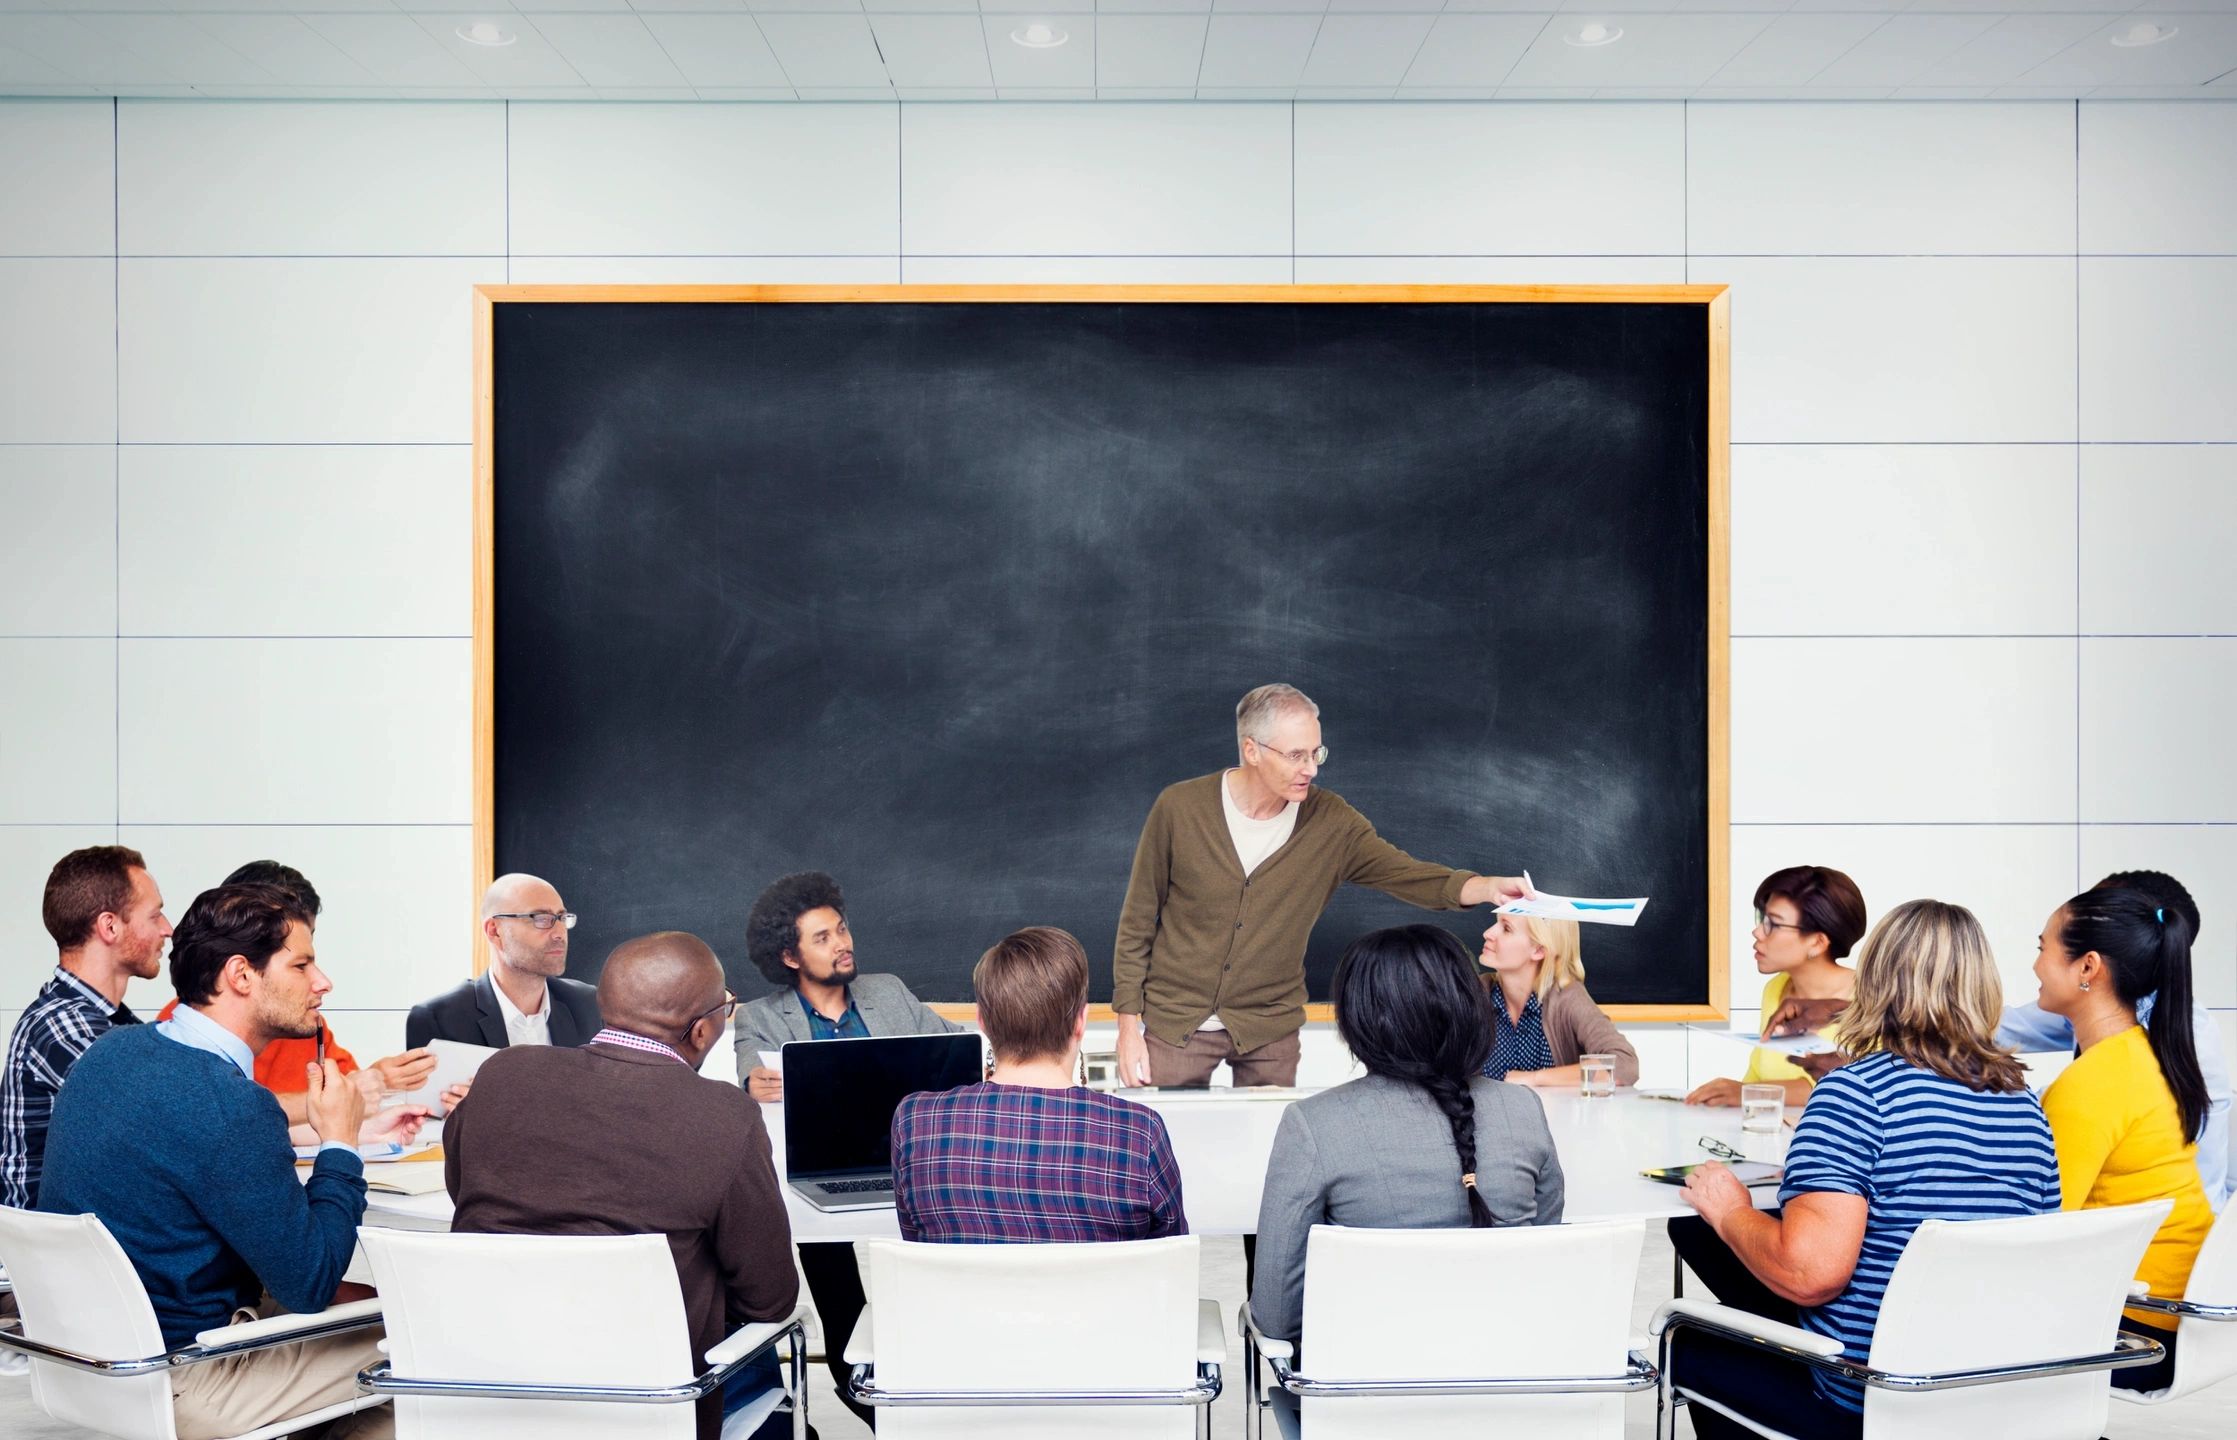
(2212,1414)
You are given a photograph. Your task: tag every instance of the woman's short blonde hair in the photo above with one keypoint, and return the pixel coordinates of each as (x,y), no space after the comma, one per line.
(1927,992)
(1564,964)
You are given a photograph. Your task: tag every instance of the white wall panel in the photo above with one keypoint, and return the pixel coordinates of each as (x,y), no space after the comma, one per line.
(608,179)
(58,352)
(2009,876)
(1902,730)
(2161,521)
(2155,179)
(2204,858)
(1899,350)
(1089,180)
(2155,732)
(1512,179)
(706,270)
(295,540)
(396,923)
(58,567)
(2159,349)
(1877,179)
(57,170)
(58,714)
(27,853)
(320,178)
(1491,269)
(1096,269)
(302,731)
(1903,540)
(298,351)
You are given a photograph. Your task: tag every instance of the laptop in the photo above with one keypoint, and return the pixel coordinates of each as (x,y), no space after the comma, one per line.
(839,1099)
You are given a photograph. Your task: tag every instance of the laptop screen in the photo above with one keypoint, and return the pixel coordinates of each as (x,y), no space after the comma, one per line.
(840,1095)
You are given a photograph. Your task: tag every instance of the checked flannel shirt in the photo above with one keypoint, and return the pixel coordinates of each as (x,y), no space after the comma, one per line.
(60,1026)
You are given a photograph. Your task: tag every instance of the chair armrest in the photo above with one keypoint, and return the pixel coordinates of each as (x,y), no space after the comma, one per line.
(750,1338)
(861,1345)
(1211,1336)
(2138,1289)
(1269,1347)
(281,1329)
(1739,1322)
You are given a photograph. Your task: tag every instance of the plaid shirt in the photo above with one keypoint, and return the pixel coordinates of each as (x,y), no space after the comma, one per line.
(60,1026)
(988,1164)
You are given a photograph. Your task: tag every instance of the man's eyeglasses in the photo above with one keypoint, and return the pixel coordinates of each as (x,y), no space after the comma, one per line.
(728,1008)
(1317,756)
(1719,1149)
(541,919)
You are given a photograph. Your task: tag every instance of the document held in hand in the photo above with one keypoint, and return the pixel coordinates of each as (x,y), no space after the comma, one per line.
(1569,907)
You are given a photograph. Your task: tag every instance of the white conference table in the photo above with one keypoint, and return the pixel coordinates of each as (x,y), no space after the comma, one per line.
(1222,1139)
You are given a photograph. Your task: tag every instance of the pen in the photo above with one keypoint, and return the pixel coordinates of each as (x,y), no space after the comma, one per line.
(322,1042)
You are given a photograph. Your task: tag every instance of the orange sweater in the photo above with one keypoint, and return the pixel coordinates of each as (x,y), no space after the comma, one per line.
(280,1066)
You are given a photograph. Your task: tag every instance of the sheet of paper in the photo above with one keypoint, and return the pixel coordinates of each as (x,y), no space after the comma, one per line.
(1570,907)
(772,1060)
(402,1179)
(454,1061)
(1806,1044)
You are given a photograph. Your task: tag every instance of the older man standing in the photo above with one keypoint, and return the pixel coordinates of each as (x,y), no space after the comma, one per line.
(524,997)
(1231,873)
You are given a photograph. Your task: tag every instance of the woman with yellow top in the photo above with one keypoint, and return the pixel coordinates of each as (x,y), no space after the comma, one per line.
(1807,918)
(2125,1115)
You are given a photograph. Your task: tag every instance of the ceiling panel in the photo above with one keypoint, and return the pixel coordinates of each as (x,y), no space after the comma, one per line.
(81,52)
(1793,49)
(1471,50)
(610,51)
(1365,51)
(1675,50)
(527,62)
(2009,49)
(1255,52)
(392,49)
(1903,49)
(1069,66)
(825,51)
(719,51)
(288,50)
(1148,51)
(2202,48)
(933,51)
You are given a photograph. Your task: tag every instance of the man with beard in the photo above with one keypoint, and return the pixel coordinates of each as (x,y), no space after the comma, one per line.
(163,1132)
(106,916)
(524,998)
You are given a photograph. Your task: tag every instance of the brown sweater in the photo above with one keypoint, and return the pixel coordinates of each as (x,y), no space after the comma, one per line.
(1576,1027)
(604,1140)
(1196,938)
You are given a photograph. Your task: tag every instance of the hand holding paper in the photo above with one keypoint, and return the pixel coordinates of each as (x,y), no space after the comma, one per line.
(1566,907)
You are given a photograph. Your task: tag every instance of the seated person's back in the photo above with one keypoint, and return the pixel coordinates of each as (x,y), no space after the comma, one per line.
(622,1136)
(1423,1140)
(1028,1155)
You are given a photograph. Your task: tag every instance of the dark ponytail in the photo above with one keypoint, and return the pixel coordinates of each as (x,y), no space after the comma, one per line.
(2146,949)
(1409,1008)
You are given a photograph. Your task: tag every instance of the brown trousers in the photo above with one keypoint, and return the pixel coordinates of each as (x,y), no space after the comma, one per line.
(247,1392)
(1190,1066)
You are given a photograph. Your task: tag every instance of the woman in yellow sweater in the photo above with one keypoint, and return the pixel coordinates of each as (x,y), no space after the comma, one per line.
(2125,1115)
(1807,918)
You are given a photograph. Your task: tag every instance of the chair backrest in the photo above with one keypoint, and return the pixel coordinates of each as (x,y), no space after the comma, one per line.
(1551,1301)
(77,1291)
(532,1309)
(1979,1293)
(2206,1350)
(1120,1315)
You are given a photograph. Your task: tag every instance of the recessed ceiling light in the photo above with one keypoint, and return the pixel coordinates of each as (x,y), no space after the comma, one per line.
(486,32)
(1595,34)
(1039,36)
(2143,33)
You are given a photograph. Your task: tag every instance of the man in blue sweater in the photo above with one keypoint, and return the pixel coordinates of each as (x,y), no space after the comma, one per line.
(163,1132)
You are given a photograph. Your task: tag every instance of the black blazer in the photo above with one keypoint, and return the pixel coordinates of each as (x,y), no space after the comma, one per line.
(469,1015)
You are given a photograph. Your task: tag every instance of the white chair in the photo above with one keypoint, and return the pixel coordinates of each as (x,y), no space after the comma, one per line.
(2206,1334)
(1989,1327)
(1091,1342)
(529,1337)
(97,1356)
(1443,1334)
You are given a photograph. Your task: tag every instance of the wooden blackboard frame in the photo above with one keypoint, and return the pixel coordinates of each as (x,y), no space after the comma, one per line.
(1711,298)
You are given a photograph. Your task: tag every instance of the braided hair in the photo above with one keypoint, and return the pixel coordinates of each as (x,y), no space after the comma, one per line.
(1409,1008)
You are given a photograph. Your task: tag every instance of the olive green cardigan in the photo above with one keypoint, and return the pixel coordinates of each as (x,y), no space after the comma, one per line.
(1196,938)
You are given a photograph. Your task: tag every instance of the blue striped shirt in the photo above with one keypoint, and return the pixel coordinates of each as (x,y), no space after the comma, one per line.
(1917,1147)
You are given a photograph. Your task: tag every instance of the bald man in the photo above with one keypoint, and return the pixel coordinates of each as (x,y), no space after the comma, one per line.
(623,1137)
(524,998)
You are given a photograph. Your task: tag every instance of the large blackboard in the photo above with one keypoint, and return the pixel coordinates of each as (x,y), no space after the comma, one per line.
(937,596)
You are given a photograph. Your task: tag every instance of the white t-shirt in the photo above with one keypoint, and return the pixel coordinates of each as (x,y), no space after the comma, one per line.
(1254,840)
(522,1028)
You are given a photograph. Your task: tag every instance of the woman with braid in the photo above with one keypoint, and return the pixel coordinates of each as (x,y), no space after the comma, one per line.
(1423,1140)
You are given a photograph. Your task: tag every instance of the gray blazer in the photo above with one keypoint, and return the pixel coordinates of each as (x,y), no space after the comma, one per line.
(887,1008)
(1378,1153)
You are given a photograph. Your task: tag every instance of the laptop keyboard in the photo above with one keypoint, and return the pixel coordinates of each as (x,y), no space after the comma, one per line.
(853,1187)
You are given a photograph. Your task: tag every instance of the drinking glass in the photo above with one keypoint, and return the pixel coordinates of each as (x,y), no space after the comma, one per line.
(1762,1107)
(1598,1074)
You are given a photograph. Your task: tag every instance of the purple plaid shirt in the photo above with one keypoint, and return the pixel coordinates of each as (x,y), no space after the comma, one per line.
(988,1164)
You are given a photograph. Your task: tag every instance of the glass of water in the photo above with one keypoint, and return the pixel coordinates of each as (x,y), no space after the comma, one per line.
(1762,1107)
(1599,1074)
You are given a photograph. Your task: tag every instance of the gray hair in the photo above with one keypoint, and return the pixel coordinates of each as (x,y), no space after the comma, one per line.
(1262,706)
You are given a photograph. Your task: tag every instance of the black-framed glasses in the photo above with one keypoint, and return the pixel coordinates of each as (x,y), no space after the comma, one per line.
(1719,1149)
(541,919)
(1316,756)
(1770,926)
(728,1007)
